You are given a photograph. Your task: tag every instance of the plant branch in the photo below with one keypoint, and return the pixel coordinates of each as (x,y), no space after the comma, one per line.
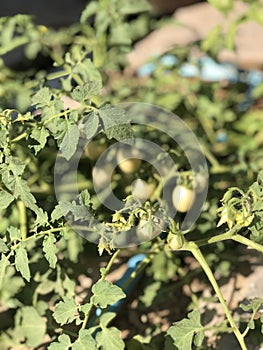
(194,249)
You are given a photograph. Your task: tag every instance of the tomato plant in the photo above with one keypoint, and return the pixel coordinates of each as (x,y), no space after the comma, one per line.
(82,192)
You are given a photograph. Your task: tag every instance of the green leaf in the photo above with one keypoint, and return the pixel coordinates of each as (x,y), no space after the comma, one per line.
(16,166)
(116,123)
(120,34)
(134,6)
(106,293)
(33,326)
(42,98)
(50,250)
(113,116)
(84,198)
(5,199)
(14,233)
(90,10)
(91,124)
(40,135)
(21,262)
(84,92)
(106,318)
(65,311)
(56,213)
(150,292)
(63,343)
(85,341)
(184,332)
(86,308)
(70,141)
(4,262)
(253,304)
(3,246)
(109,339)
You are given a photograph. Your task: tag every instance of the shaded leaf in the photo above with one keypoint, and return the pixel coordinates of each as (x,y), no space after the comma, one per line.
(50,250)
(33,326)
(21,262)
(4,262)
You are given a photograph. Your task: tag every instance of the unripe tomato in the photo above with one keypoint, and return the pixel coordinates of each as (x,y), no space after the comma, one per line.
(175,242)
(183,198)
(142,190)
(101,175)
(94,149)
(128,161)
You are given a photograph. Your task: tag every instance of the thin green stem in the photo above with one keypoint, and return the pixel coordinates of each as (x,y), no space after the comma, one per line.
(22,219)
(194,249)
(109,265)
(104,273)
(248,242)
(85,321)
(20,137)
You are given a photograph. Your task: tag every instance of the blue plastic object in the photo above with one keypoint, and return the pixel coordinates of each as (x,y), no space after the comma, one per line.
(189,70)
(146,70)
(169,60)
(221,136)
(132,265)
(213,71)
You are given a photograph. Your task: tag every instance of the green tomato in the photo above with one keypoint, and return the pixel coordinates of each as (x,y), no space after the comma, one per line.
(100,175)
(94,150)
(128,161)
(142,190)
(183,198)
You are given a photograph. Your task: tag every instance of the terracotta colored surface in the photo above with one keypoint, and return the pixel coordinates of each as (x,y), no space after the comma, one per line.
(196,21)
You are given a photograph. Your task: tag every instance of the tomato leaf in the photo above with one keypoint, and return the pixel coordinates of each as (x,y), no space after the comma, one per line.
(187,331)
(50,250)
(21,262)
(65,311)
(106,293)
(5,199)
(70,140)
(84,341)
(63,343)
(33,326)
(109,339)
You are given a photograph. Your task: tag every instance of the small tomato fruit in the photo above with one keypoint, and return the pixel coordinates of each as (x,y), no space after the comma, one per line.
(94,150)
(142,190)
(128,161)
(183,198)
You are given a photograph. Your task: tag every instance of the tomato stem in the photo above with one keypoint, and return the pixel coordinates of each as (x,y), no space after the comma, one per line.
(194,249)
